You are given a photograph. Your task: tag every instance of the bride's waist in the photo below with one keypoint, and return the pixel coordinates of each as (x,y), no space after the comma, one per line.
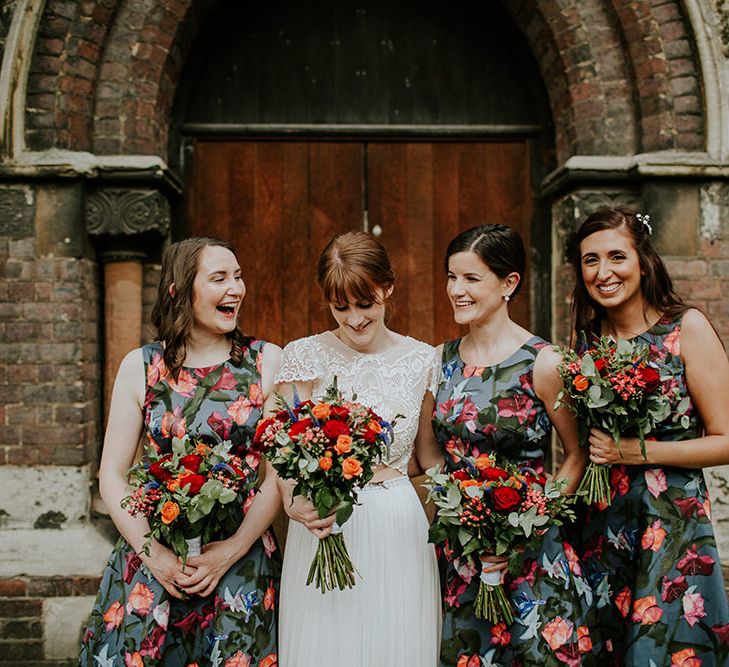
(385,473)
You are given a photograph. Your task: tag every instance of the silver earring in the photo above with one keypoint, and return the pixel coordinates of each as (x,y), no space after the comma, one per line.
(507,298)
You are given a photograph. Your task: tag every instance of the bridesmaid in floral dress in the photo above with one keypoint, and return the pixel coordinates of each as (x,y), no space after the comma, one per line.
(496,394)
(203,378)
(651,554)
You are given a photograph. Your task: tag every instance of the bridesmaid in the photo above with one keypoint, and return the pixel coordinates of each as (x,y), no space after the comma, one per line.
(652,555)
(497,391)
(205,379)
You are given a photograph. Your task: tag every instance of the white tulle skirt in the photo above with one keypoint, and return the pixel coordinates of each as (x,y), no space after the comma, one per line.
(392,615)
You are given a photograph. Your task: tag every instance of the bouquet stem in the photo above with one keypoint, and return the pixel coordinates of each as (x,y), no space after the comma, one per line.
(332,567)
(493,605)
(595,485)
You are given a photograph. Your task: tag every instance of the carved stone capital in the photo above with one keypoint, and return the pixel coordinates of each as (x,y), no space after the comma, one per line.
(127,212)
(126,223)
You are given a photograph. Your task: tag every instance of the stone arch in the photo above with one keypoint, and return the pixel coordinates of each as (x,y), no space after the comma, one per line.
(622,78)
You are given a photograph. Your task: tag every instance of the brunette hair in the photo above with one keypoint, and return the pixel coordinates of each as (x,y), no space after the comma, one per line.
(172,315)
(499,247)
(655,283)
(354,265)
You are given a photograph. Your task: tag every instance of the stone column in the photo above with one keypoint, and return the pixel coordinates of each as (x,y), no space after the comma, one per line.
(125,224)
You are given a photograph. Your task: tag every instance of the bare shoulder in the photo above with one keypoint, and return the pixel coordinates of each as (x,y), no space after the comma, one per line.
(132,365)
(271,353)
(695,323)
(698,336)
(547,360)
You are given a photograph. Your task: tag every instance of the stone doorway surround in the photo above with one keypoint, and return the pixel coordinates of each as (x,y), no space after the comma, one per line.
(639,94)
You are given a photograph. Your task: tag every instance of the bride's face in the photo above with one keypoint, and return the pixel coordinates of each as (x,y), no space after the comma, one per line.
(360,323)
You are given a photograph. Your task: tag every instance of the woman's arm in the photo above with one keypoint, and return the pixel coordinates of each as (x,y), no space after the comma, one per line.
(218,557)
(547,385)
(427,451)
(707,378)
(120,445)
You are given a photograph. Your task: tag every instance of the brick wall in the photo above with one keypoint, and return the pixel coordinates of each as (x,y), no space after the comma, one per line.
(49,357)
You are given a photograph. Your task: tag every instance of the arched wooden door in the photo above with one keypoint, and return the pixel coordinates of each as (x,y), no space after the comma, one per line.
(279,202)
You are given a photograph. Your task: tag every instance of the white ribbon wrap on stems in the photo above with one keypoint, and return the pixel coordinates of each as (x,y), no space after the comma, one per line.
(194,546)
(336,528)
(492,578)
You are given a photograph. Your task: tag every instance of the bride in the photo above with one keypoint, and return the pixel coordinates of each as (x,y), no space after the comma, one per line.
(392,615)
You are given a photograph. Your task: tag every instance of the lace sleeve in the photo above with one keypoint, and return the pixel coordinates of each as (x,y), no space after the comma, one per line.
(434,371)
(299,363)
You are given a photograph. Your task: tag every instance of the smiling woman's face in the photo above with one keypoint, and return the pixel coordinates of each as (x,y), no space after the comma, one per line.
(217,291)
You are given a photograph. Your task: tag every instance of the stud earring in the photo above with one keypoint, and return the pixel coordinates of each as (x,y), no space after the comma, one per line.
(507,298)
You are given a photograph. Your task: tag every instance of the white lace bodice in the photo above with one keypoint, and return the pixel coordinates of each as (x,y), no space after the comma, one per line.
(391,383)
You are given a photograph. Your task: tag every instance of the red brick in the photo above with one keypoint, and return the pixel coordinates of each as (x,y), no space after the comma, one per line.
(11,588)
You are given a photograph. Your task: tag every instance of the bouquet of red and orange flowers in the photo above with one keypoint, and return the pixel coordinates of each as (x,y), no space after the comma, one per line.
(190,494)
(330,448)
(617,388)
(488,508)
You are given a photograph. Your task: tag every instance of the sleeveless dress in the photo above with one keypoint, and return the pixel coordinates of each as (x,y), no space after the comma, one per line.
(495,409)
(651,555)
(392,615)
(134,620)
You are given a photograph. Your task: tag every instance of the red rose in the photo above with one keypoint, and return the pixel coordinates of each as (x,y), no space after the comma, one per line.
(461,475)
(191,462)
(195,482)
(369,436)
(492,474)
(600,365)
(651,378)
(282,415)
(300,426)
(334,428)
(338,412)
(160,473)
(262,426)
(505,498)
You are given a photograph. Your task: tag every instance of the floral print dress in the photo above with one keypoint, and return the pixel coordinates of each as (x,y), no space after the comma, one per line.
(651,555)
(495,409)
(135,622)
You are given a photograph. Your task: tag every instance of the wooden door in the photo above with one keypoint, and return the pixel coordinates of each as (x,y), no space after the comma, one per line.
(279,202)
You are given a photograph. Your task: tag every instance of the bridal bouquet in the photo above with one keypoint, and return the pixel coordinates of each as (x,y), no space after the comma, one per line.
(617,388)
(489,507)
(330,448)
(189,494)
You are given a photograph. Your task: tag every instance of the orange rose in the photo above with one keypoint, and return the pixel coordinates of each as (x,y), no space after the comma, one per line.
(114,616)
(653,536)
(557,632)
(170,512)
(469,482)
(320,411)
(325,463)
(344,444)
(174,484)
(271,660)
(202,449)
(351,467)
(483,461)
(646,610)
(584,642)
(685,658)
(374,426)
(581,383)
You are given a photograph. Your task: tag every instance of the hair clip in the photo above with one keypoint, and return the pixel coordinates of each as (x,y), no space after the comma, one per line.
(645,221)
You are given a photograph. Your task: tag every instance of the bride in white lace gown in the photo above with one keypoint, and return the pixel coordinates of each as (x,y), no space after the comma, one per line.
(392,615)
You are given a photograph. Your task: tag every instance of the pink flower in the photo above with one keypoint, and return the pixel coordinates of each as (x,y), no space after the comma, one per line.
(500,636)
(131,565)
(623,600)
(693,563)
(156,370)
(518,405)
(673,589)
(226,380)
(454,589)
(174,425)
(114,615)
(468,413)
(655,478)
(693,608)
(184,385)
(133,660)
(646,610)
(572,559)
(240,659)
(221,426)
(140,600)
(685,658)
(189,623)
(584,640)
(688,506)
(672,342)
(653,536)
(569,654)
(152,643)
(240,409)
(269,543)
(472,371)
(557,632)
(466,569)
(619,482)
(161,614)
